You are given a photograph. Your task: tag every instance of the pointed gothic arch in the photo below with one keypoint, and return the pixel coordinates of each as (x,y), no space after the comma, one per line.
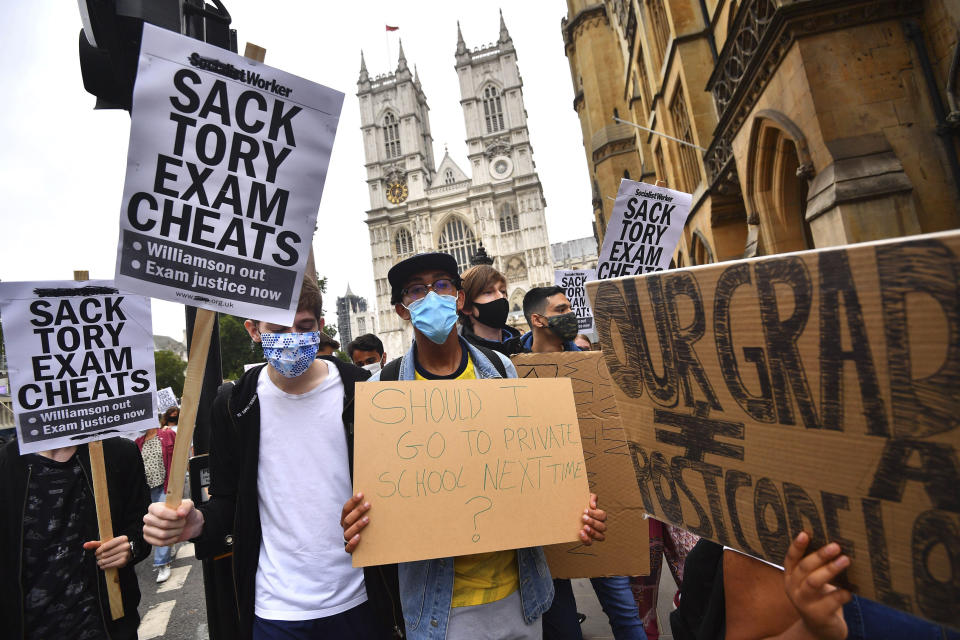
(778,169)
(509,221)
(457,239)
(492,108)
(390,126)
(403,242)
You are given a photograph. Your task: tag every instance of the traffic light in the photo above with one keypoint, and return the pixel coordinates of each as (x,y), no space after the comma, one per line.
(110,39)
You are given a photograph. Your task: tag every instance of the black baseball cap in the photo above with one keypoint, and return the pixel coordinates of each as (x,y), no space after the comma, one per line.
(405,269)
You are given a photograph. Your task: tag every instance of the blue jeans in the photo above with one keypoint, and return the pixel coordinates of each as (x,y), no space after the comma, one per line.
(869,620)
(617,601)
(161,555)
(352,624)
(616,598)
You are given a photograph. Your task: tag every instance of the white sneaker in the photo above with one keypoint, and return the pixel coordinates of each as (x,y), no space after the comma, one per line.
(164,574)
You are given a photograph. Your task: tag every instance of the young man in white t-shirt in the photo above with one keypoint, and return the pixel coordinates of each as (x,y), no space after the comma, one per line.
(280,466)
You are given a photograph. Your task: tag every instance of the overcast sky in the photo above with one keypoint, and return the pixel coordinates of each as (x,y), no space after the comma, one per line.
(62,163)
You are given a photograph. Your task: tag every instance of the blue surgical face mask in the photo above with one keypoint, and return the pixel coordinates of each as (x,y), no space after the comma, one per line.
(434,316)
(290,353)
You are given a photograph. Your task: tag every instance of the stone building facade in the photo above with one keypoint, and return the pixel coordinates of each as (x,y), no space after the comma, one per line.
(810,123)
(417,205)
(353,318)
(581,253)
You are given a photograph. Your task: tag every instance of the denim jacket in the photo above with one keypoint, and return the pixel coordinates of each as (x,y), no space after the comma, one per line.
(426,586)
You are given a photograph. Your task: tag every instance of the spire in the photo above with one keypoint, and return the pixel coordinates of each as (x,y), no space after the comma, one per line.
(364,76)
(505,41)
(461,45)
(402,60)
(416,76)
(349,293)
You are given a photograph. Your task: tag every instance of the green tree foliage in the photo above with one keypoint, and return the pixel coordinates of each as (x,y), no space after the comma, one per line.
(236,347)
(330,330)
(170,371)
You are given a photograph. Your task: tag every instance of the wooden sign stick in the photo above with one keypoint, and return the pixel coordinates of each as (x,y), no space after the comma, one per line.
(192,386)
(101,497)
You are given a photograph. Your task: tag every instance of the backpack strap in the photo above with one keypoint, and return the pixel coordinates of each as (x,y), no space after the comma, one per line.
(494,358)
(391,372)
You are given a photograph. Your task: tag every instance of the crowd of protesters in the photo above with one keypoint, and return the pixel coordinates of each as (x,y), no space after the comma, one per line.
(291,537)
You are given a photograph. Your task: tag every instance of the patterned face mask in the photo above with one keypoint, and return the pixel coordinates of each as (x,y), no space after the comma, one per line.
(290,353)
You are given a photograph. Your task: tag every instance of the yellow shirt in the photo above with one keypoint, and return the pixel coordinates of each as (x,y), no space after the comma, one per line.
(480,578)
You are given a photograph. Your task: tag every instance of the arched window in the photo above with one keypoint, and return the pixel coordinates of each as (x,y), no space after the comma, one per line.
(448,177)
(508,219)
(492,110)
(391,136)
(457,239)
(700,252)
(403,242)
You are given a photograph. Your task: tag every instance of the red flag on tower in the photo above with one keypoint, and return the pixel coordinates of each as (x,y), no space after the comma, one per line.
(389,28)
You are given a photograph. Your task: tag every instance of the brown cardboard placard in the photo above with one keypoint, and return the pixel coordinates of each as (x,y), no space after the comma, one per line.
(818,390)
(453,467)
(626,550)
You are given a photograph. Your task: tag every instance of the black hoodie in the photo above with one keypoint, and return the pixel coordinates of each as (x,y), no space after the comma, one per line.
(232,515)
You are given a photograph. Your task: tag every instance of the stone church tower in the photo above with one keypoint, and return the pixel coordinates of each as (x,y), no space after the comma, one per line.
(496,200)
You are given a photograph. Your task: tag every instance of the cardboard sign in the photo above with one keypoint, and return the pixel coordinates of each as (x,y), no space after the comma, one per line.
(454,467)
(81,365)
(166,399)
(626,550)
(643,231)
(573,282)
(816,391)
(225,169)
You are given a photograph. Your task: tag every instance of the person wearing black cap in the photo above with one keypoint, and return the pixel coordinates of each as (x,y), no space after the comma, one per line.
(499,594)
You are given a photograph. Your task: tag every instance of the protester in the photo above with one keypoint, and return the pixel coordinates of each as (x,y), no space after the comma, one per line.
(156,449)
(488,595)
(583,342)
(52,586)
(281,456)
(366,351)
(326,345)
(729,594)
(483,319)
(553,325)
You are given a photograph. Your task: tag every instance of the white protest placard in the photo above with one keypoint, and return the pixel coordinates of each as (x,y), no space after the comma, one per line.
(225,169)
(573,282)
(166,399)
(80,356)
(644,229)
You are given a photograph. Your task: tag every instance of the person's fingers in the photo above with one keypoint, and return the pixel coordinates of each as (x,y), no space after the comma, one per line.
(349,506)
(795,552)
(161,512)
(598,525)
(186,506)
(818,558)
(356,527)
(593,501)
(597,514)
(589,535)
(91,545)
(352,543)
(822,575)
(109,546)
(355,515)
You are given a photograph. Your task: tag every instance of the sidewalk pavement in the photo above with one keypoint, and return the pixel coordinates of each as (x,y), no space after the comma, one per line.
(596,626)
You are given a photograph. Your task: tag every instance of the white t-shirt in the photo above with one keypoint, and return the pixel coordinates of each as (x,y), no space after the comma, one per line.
(303,482)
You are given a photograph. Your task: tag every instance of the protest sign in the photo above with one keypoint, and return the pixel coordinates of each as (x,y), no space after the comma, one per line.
(643,231)
(572,281)
(454,467)
(225,168)
(816,391)
(80,356)
(166,399)
(626,550)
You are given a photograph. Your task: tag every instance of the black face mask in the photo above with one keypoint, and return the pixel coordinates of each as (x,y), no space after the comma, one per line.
(564,326)
(493,314)
(173,419)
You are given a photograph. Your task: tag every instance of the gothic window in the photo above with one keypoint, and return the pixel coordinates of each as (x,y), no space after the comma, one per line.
(508,219)
(700,252)
(448,177)
(458,240)
(361,326)
(403,242)
(689,165)
(492,110)
(516,300)
(391,136)
(661,166)
(659,26)
(777,194)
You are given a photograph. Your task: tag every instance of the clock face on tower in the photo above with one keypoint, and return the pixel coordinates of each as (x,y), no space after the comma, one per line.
(396,192)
